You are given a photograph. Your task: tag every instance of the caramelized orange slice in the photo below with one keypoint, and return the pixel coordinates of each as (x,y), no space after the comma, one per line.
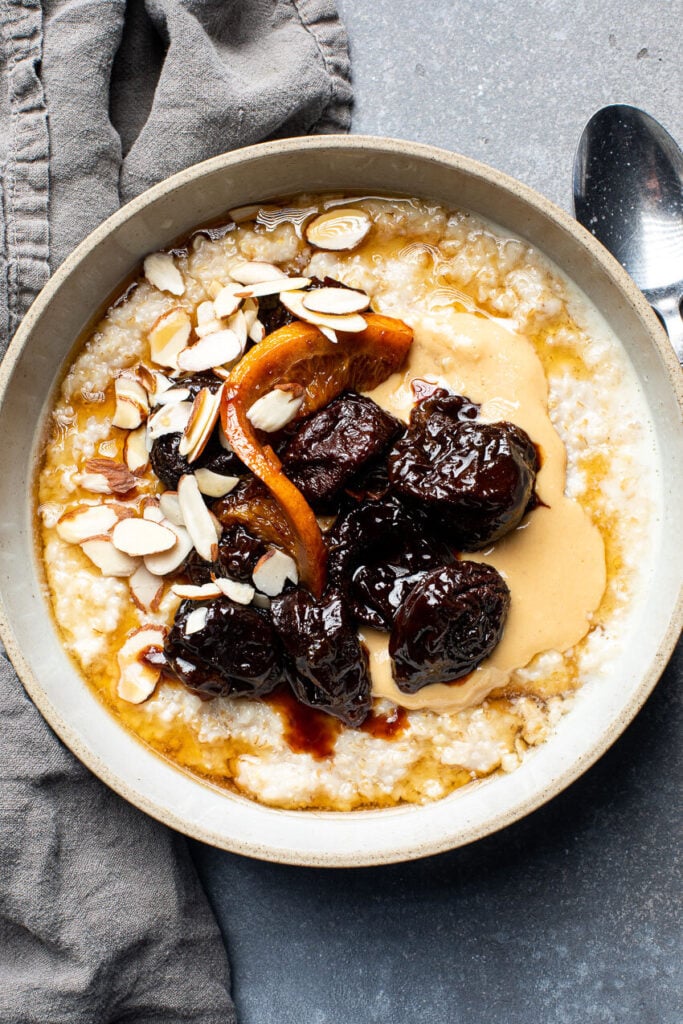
(300,354)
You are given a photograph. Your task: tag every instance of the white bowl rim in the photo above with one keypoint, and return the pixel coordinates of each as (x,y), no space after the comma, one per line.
(69,734)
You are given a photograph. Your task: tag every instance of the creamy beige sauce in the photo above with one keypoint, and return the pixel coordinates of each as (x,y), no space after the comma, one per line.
(554,562)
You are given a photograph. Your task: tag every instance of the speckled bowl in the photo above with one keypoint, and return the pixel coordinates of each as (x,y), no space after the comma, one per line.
(43,342)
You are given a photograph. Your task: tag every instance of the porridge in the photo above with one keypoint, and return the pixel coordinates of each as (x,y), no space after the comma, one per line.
(341,500)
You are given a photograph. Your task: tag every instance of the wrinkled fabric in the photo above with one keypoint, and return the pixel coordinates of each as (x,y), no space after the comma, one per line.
(102,917)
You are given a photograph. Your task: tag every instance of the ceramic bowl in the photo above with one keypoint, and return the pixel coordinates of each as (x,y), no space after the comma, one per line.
(92,273)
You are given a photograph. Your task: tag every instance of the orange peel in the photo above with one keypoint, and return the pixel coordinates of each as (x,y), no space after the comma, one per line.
(300,354)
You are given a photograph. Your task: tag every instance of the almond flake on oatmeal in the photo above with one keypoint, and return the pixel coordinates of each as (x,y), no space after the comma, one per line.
(205,312)
(169,336)
(107,476)
(188,592)
(209,327)
(241,214)
(196,621)
(170,506)
(137,678)
(257,332)
(213,350)
(250,309)
(85,522)
(132,405)
(170,419)
(223,440)
(215,485)
(281,284)
(329,334)
(146,589)
(272,572)
(169,561)
(197,518)
(135,451)
(238,325)
(174,396)
(276,409)
(152,510)
(227,300)
(162,273)
(108,559)
(352,323)
(337,301)
(240,593)
(339,230)
(255,272)
(139,537)
(200,425)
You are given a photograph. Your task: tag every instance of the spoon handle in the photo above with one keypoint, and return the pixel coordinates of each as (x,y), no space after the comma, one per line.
(668,309)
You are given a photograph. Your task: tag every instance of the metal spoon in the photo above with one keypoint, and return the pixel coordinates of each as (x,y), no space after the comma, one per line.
(628,192)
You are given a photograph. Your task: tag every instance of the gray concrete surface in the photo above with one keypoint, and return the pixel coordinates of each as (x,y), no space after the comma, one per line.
(572,916)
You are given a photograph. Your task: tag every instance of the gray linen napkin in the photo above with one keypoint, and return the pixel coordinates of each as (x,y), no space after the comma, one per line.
(102,917)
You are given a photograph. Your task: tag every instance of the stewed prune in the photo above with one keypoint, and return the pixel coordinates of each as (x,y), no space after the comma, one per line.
(335,443)
(476,479)
(451,620)
(236,651)
(327,664)
(378,550)
(238,553)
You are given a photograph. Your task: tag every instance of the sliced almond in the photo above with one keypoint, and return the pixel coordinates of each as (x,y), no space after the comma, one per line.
(339,229)
(280,284)
(170,506)
(257,332)
(329,334)
(215,485)
(204,312)
(206,592)
(142,537)
(85,522)
(209,327)
(135,450)
(238,325)
(337,301)
(169,336)
(146,589)
(161,271)
(108,559)
(242,214)
(132,405)
(227,300)
(250,310)
(200,425)
(197,519)
(294,302)
(107,476)
(255,271)
(169,561)
(137,677)
(174,396)
(240,593)
(272,572)
(276,409)
(170,419)
(261,601)
(195,621)
(224,443)
(152,510)
(213,350)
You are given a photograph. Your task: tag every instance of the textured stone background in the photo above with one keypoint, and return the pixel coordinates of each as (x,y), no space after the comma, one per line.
(571,916)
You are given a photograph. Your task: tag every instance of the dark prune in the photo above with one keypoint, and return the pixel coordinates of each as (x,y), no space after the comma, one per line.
(328,665)
(333,444)
(451,620)
(476,479)
(194,382)
(169,465)
(238,553)
(235,652)
(378,550)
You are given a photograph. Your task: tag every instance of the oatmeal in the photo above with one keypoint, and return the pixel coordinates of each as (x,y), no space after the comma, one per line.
(159,577)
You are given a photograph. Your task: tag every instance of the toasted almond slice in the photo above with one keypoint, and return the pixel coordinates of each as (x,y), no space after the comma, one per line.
(108,559)
(169,336)
(241,214)
(205,312)
(339,229)
(195,621)
(142,537)
(255,271)
(170,506)
(272,572)
(276,409)
(240,593)
(132,405)
(169,561)
(135,450)
(147,378)
(118,478)
(145,589)
(294,302)
(238,325)
(280,284)
(201,423)
(250,309)
(215,485)
(161,271)
(174,396)
(216,525)
(257,332)
(227,300)
(188,592)
(137,678)
(197,519)
(213,350)
(224,443)
(209,327)
(337,301)
(86,521)
(170,419)
(329,334)
(152,510)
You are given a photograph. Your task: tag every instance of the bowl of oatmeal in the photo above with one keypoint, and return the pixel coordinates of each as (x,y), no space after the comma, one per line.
(347,539)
